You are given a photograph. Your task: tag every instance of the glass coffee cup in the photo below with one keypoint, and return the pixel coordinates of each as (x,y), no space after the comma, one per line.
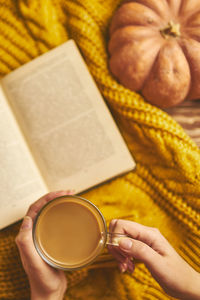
(70,232)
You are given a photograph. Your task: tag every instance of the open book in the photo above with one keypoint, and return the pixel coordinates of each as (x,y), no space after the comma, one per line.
(56,132)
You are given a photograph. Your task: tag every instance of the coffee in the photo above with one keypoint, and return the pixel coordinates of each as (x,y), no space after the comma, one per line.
(69,232)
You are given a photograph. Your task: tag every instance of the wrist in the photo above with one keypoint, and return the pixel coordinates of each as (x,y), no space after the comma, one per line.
(193,292)
(51,296)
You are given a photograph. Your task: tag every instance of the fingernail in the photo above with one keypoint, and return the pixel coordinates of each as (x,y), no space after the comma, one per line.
(122,268)
(112,222)
(70,192)
(27,223)
(125,244)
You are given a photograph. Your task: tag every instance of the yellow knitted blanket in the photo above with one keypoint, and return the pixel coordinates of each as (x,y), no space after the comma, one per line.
(163,192)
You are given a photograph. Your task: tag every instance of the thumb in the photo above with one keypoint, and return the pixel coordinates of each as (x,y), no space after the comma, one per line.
(25,245)
(24,239)
(139,250)
(26,224)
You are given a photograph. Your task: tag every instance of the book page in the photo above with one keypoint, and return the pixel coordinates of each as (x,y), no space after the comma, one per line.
(20,182)
(69,129)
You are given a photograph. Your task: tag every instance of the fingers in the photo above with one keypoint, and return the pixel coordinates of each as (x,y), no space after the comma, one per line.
(138,250)
(145,244)
(29,256)
(44,280)
(120,257)
(112,225)
(148,235)
(141,251)
(128,265)
(24,240)
(124,262)
(37,205)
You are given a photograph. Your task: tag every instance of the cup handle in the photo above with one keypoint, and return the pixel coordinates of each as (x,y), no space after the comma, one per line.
(113,238)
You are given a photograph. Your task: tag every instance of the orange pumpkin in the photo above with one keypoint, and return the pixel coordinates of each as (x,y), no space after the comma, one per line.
(155,49)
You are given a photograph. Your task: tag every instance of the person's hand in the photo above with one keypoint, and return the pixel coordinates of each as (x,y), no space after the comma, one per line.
(45,282)
(148,245)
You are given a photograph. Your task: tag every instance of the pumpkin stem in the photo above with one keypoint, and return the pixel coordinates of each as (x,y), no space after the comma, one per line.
(171,29)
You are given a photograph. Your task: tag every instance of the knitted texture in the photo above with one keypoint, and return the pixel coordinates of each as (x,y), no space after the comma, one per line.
(163,191)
